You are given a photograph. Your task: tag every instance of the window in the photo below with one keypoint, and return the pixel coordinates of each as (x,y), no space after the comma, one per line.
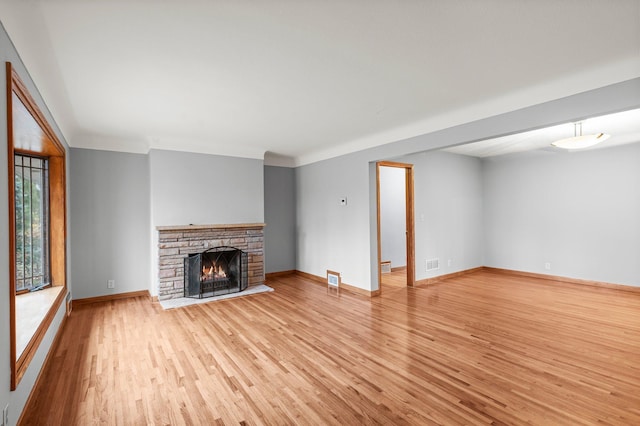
(37,224)
(32,222)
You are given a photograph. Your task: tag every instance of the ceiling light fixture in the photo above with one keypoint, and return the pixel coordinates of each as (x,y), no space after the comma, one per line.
(579,141)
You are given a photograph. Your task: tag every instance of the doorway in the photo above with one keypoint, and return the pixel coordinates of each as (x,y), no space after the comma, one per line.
(395,221)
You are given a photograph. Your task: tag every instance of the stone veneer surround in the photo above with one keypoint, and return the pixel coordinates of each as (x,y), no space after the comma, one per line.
(177,242)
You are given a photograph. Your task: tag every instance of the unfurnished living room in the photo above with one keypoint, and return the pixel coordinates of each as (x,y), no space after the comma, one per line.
(320,212)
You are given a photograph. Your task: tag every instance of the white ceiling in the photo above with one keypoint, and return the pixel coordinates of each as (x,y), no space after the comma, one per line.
(308,79)
(623,128)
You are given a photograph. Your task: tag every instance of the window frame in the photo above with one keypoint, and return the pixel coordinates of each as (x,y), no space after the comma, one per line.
(45,144)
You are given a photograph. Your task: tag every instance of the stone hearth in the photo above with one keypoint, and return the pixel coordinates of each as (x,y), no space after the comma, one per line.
(177,242)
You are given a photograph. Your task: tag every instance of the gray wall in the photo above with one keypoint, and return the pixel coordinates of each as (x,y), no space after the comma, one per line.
(331,236)
(110,217)
(280,217)
(188,188)
(18,398)
(448,212)
(205,189)
(118,199)
(578,211)
(342,238)
(393,244)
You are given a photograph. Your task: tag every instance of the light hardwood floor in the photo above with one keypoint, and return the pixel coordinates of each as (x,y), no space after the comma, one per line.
(483,348)
(394,279)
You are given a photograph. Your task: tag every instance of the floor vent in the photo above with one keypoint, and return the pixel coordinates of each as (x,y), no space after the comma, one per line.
(333,278)
(433,264)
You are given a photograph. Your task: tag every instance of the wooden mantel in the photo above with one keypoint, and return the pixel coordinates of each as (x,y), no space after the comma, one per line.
(217,226)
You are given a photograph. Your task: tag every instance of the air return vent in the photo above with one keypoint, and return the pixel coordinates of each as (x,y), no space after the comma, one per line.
(385,267)
(433,264)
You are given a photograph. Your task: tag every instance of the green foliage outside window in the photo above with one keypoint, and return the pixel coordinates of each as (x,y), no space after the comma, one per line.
(31,214)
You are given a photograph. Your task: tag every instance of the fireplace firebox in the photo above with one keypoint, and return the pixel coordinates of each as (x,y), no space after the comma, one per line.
(214,272)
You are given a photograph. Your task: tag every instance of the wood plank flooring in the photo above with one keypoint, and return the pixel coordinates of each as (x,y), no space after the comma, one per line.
(394,279)
(479,349)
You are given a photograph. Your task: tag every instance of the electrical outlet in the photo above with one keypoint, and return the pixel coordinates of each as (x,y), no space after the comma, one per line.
(547,266)
(449,262)
(5,416)
(111,284)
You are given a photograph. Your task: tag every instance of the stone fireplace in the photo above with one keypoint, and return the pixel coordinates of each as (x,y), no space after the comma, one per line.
(176,243)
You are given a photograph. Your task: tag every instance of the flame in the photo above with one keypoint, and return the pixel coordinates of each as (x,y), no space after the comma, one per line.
(213,272)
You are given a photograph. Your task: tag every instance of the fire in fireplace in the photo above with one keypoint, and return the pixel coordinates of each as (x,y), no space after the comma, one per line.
(214,272)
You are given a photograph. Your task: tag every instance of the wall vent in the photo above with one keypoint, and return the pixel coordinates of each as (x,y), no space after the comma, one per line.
(333,278)
(385,267)
(433,264)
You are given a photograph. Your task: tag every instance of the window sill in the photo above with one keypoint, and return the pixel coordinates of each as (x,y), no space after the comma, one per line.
(31,308)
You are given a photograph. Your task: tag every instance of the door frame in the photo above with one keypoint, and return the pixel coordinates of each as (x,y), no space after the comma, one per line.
(409,221)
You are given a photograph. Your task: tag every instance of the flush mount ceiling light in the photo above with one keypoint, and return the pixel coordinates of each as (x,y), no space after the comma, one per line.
(579,141)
